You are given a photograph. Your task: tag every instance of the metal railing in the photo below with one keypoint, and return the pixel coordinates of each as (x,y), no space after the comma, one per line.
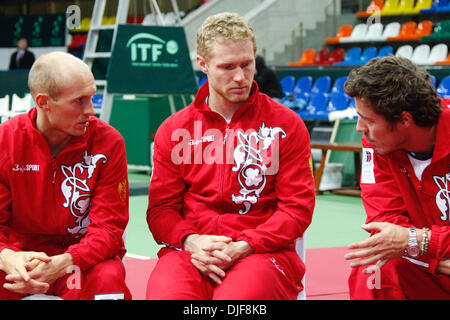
(327,21)
(156,12)
(294,41)
(332,4)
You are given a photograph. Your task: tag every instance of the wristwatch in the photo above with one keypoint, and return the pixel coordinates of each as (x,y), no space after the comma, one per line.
(412,249)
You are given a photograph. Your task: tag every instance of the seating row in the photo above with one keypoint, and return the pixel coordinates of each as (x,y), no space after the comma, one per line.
(18,105)
(404,7)
(311,99)
(13,105)
(317,99)
(422,55)
(85,23)
(353,57)
(322,99)
(322,57)
(444,88)
(79,39)
(169,19)
(292,88)
(394,31)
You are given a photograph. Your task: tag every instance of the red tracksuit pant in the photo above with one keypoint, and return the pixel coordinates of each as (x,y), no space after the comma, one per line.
(268,276)
(398,279)
(105,280)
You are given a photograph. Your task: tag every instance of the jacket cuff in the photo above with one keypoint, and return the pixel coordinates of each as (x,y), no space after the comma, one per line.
(9,246)
(433,265)
(182,236)
(77,260)
(433,245)
(249,241)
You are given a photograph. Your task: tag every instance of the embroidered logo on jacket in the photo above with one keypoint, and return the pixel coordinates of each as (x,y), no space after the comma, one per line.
(76,190)
(122,190)
(26,168)
(443,195)
(367,167)
(249,161)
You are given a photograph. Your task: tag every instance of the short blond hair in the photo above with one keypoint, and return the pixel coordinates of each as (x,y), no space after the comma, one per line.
(44,77)
(49,73)
(225,26)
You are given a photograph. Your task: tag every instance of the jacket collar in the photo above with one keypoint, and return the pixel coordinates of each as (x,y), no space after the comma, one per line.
(76,142)
(203,92)
(442,146)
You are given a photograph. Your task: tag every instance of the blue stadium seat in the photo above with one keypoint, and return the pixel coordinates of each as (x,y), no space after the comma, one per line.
(321,85)
(444,88)
(302,91)
(444,8)
(436,6)
(338,85)
(97,100)
(316,108)
(367,54)
(341,106)
(385,51)
(338,101)
(303,84)
(287,85)
(353,54)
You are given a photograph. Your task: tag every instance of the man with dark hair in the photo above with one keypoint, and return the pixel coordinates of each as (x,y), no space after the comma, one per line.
(405,183)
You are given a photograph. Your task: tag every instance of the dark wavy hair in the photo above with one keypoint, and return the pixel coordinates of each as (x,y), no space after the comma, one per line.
(392,85)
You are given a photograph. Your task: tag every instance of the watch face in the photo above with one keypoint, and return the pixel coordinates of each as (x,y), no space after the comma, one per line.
(413,251)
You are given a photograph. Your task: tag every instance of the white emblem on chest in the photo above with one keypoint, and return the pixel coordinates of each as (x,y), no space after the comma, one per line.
(76,190)
(249,161)
(443,195)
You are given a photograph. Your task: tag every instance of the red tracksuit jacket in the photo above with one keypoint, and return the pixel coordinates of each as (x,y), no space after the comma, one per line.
(219,178)
(76,202)
(397,196)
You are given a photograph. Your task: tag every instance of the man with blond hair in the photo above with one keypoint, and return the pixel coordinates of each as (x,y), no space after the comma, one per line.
(231,188)
(63,191)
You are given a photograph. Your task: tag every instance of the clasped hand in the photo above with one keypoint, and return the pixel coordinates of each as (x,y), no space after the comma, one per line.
(30,272)
(213,255)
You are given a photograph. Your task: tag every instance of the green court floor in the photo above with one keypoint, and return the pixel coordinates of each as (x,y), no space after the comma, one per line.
(336,222)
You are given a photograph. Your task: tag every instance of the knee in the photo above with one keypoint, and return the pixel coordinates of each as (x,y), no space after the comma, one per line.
(107,277)
(383,284)
(175,278)
(108,271)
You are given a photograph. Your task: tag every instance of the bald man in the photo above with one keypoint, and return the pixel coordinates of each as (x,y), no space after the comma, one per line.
(63,191)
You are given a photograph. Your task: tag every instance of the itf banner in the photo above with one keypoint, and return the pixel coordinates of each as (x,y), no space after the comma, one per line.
(151,60)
